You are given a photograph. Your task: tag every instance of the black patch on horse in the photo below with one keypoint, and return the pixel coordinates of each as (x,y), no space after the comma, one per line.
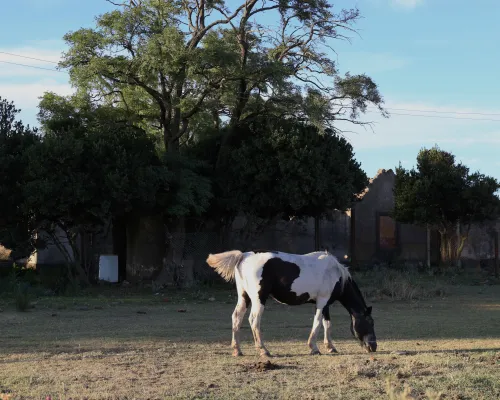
(326,312)
(336,293)
(277,279)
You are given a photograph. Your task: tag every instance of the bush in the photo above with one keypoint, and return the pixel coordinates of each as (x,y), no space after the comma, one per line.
(399,284)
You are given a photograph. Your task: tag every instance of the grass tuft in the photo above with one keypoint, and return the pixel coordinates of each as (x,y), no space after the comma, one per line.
(406,394)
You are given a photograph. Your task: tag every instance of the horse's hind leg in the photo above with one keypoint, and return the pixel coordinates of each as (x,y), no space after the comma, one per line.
(238,315)
(327,326)
(318,317)
(254,319)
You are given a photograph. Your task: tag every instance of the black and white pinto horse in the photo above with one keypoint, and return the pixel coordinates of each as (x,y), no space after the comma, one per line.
(293,279)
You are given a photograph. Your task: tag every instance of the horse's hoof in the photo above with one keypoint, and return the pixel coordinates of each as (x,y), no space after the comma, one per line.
(265,353)
(331,350)
(315,352)
(237,353)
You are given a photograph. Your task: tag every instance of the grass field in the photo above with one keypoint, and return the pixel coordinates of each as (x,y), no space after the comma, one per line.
(124,345)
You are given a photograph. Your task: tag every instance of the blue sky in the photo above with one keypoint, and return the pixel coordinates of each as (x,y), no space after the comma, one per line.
(435,62)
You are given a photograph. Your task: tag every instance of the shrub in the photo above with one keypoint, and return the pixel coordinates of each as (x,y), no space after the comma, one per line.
(399,284)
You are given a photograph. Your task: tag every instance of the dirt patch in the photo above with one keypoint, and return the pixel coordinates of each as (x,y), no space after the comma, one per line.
(261,366)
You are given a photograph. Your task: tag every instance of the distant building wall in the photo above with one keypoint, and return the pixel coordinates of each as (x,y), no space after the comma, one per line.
(371,213)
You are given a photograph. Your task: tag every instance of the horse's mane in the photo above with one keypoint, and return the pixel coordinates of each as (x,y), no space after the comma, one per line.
(358,292)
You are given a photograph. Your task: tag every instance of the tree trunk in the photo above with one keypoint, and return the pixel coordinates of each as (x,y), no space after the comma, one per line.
(352,238)
(452,245)
(496,254)
(173,268)
(119,234)
(445,247)
(145,247)
(428,246)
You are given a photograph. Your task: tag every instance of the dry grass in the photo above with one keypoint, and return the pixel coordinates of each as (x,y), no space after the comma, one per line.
(142,347)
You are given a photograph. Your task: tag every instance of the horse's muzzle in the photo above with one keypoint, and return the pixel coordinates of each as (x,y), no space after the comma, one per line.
(371,347)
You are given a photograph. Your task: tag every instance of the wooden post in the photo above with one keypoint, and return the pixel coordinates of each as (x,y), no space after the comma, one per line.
(352,243)
(428,246)
(317,235)
(496,254)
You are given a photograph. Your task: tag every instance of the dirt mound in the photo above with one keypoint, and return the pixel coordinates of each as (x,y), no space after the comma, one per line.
(261,366)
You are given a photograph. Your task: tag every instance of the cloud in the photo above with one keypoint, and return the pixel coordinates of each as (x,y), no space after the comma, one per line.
(418,124)
(24,85)
(471,135)
(408,4)
(27,96)
(36,62)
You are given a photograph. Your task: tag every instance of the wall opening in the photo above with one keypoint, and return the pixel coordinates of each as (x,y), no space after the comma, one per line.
(387,237)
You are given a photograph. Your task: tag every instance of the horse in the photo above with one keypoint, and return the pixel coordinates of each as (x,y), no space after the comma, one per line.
(293,279)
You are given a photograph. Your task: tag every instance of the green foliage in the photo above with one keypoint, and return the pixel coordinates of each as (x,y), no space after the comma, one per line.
(441,193)
(91,166)
(15,140)
(102,167)
(284,167)
(99,168)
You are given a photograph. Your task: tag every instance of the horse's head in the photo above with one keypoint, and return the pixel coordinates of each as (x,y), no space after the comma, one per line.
(363,329)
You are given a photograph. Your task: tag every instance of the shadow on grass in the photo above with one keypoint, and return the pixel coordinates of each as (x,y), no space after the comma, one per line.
(71,353)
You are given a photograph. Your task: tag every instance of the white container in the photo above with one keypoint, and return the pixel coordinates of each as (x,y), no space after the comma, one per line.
(108,268)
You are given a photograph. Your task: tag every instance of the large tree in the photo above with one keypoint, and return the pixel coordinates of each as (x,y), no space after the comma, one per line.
(176,64)
(180,66)
(444,195)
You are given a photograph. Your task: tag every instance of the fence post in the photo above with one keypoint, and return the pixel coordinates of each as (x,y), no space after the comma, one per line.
(317,238)
(352,241)
(496,253)
(428,249)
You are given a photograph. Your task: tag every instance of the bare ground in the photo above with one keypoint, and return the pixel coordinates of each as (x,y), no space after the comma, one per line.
(120,345)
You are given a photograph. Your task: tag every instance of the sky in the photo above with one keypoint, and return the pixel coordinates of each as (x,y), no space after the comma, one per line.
(435,62)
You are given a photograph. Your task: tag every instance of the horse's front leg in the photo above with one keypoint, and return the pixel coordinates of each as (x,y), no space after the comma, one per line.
(254,319)
(318,318)
(327,327)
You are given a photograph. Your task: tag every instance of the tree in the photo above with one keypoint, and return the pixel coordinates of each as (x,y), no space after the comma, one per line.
(15,140)
(444,195)
(177,67)
(174,64)
(91,167)
(282,168)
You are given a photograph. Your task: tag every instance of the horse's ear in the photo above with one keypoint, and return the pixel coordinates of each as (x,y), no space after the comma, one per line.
(368,311)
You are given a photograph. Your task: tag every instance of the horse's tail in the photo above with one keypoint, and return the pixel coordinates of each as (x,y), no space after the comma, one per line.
(225,263)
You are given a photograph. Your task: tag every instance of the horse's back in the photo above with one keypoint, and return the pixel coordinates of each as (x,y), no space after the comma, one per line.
(279,273)
(316,260)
